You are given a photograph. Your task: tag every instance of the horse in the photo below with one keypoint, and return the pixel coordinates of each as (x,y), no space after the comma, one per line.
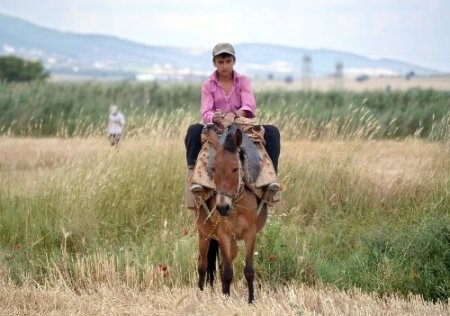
(230,215)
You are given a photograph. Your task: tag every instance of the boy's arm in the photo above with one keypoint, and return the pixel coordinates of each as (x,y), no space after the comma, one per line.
(247,99)
(207,104)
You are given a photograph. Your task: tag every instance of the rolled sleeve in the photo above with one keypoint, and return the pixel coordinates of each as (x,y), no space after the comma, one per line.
(207,103)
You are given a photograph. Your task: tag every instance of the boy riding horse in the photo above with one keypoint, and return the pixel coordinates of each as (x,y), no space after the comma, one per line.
(227,97)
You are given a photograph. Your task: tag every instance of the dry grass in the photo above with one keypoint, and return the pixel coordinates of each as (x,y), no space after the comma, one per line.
(28,161)
(288,300)
(25,163)
(386,163)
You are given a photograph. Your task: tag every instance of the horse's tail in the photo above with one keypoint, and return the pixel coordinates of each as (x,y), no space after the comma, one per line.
(213,253)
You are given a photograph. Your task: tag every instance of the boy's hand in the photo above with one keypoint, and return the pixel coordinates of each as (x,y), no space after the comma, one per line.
(228,119)
(218,118)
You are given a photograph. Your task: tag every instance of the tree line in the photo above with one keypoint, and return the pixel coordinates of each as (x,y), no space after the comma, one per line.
(15,69)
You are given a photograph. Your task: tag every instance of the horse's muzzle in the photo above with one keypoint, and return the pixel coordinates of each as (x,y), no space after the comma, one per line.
(223,209)
(224,202)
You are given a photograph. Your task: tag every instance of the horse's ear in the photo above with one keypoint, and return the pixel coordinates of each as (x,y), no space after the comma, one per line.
(238,137)
(213,139)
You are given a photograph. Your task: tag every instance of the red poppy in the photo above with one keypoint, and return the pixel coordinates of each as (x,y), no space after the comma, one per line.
(18,246)
(162,267)
(272,258)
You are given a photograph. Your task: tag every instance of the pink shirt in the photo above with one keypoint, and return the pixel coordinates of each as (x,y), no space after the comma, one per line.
(214,97)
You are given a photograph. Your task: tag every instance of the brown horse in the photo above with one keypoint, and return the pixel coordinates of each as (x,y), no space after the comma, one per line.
(230,215)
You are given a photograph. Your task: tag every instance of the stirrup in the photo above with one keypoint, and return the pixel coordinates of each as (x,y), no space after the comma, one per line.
(196,188)
(272,194)
(273,187)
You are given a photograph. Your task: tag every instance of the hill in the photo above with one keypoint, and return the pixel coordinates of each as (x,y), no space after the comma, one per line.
(72,53)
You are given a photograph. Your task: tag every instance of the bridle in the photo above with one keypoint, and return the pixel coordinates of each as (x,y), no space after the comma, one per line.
(238,190)
(235,196)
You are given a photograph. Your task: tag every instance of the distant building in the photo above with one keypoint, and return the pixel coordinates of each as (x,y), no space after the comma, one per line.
(306,72)
(338,75)
(362,78)
(409,75)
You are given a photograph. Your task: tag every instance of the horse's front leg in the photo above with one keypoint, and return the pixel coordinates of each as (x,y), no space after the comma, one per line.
(202,263)
(248,269)
(226,265)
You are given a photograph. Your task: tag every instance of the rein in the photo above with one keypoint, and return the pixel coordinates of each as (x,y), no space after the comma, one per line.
(234,197)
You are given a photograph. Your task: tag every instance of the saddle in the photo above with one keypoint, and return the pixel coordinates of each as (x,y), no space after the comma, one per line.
(257,168)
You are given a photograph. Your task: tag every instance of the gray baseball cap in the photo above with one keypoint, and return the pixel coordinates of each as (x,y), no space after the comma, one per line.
(223,48)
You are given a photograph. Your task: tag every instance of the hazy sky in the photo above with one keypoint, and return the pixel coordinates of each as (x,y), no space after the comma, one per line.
(416,31)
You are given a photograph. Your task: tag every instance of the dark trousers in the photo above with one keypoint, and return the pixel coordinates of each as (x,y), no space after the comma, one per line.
(193,143)
(114,139)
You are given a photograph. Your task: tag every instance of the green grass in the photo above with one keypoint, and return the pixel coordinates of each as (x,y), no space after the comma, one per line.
(118,215)
(79,109)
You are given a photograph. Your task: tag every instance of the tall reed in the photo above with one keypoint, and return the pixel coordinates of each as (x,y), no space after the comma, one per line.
(74,109)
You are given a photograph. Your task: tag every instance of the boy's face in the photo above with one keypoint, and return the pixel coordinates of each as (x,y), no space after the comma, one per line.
(224,65)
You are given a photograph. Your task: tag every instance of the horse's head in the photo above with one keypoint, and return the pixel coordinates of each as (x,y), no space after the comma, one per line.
(226,167)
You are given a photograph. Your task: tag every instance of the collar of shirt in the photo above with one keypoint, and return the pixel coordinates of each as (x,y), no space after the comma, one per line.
(215,77)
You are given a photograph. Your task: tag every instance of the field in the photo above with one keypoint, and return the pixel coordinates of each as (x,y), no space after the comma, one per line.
(363,226)
(114,254)
(349,83)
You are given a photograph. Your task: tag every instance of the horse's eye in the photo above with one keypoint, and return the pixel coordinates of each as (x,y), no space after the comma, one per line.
(213,169)
(235,169)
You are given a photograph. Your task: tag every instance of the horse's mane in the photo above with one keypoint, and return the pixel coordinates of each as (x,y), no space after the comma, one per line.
(248,154)
(230,143)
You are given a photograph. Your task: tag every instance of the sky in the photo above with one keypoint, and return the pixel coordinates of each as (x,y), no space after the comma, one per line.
(416,31)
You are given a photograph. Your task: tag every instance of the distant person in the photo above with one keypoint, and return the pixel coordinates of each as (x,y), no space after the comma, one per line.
(115,125)
(226,98)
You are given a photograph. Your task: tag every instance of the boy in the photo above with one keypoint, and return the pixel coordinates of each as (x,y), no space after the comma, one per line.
(226,96)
